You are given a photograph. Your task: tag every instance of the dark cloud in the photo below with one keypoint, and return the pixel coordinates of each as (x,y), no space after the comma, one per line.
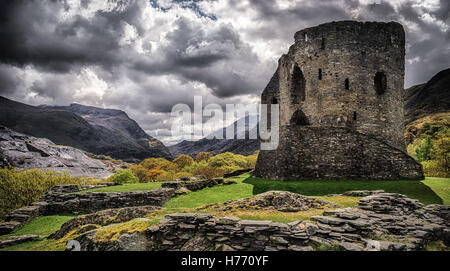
(144,57)
(9,81)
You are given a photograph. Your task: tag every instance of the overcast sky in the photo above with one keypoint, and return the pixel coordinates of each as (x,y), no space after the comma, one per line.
(145,56)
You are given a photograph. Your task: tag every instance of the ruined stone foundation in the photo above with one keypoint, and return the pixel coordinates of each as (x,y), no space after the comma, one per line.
(340,94)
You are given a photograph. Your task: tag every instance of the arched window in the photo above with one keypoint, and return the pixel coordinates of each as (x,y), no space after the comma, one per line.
(380,83)
(354,115)
(347,83)
(320,74)
(298,84)
(299,118)
(322,44)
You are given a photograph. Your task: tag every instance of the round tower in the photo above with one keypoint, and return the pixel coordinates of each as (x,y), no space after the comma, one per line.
(346,74)
(340,93)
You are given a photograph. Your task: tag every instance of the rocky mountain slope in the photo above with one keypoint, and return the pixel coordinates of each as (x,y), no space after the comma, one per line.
(24,151)
(216,146)
(429,98)
(96,130)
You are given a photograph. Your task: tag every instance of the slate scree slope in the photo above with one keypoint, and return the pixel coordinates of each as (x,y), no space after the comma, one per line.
(340,91)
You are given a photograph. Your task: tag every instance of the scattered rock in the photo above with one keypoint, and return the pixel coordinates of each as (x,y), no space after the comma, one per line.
(275,200)
(104,217)
(397,222)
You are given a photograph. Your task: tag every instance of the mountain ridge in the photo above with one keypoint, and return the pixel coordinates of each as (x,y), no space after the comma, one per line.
(92,129)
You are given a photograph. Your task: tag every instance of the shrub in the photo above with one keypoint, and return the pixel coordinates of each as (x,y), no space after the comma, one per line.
(209,171)
(183,160)
(442,152)
(440,165)
(20,188)
(124,176)
(228,161)
(203,156)
(139,171)
(251,160)
(152,175)
(168,175)
(160,163)
(424,152)
(183,174)
(435,168)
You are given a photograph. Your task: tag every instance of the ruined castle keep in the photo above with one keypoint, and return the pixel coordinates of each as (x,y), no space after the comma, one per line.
(340,92)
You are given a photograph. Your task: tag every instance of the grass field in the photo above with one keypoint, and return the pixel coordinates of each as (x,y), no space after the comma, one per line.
(428,191)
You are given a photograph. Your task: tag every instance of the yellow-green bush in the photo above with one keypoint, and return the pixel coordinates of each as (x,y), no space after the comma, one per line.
(228,161)
(124,176)
(203,156)
(183,160)
(209,171)
(153,175)
(20,188)
(156,169)
(435,168)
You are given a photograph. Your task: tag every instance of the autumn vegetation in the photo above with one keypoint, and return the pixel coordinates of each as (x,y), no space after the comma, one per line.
(206,164)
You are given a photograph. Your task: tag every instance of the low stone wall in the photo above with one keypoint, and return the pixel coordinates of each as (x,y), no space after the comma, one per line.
(237,172)
(58,201)
(403,224)
(194,185)
(328,153)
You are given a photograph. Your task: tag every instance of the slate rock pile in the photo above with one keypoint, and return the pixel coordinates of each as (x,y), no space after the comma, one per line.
(382,221)
(283,201)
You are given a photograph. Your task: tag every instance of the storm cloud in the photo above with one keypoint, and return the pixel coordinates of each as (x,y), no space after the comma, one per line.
(146,56)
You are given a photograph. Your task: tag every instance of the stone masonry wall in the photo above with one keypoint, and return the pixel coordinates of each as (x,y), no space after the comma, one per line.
(334,153)
(344,74)
(329,74)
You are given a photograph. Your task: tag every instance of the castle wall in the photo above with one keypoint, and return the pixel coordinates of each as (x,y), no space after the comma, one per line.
(340,90)
(337,153)
(338,63)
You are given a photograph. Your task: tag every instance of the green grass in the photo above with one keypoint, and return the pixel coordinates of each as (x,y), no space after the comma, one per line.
(213,194)
(37,245)
(441,187)
(126,187)
(43,225)
(428,191)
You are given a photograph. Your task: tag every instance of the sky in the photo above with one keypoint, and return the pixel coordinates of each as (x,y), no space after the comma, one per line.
(143,56)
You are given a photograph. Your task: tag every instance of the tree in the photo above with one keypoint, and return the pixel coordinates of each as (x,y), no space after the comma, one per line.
(124,176)
(203,156)
(442,154)
(159,163)
(210,172)
(183,160)
(139,171)
(228,161)
(424,152)
(152,175)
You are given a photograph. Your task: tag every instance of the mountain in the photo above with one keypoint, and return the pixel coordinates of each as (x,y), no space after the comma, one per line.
(216,146)
(23,151)
(429,98)
(95,130)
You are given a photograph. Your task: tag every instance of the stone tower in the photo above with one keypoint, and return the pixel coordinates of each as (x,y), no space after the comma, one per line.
(340,91)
